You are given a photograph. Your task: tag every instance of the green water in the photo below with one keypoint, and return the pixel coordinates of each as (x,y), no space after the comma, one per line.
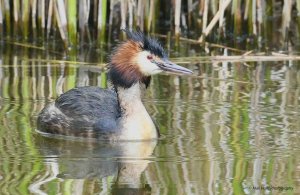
(228,129)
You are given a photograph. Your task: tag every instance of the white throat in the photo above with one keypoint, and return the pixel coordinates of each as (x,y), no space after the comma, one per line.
(135,123)
(129,97)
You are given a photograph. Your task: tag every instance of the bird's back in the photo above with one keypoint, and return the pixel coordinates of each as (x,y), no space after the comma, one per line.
(83,111)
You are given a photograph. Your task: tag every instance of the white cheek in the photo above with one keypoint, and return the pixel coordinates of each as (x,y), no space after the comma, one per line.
(145,65)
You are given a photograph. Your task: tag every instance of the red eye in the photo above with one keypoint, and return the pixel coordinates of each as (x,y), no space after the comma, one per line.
(149,57)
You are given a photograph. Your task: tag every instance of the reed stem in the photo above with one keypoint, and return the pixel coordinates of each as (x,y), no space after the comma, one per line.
(72,22)
(25,18)
(1,21)
(151,15)
(16,11)
(85,21)
(61,20)
(41,18)
(102,9)
(254,17)
(236,9)
(7,18)
(213,22)
(49,18)
(177,16)
(33,16)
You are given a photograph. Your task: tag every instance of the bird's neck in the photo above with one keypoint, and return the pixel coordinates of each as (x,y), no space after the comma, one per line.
(135,121)
(130,98)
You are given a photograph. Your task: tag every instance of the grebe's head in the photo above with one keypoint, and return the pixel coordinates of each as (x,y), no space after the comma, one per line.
(137,59)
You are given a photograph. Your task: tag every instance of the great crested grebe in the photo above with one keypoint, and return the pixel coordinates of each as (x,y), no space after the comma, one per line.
(118,113)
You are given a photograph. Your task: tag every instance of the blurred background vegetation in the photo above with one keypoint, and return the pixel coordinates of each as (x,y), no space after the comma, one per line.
(261,23)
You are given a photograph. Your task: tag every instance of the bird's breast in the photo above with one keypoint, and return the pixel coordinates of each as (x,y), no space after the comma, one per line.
(138,125)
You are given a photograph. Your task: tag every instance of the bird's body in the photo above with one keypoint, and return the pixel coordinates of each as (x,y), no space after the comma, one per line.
(117,113)
(97,113)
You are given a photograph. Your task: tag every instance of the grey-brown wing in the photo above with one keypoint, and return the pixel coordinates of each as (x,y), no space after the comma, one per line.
(80,111)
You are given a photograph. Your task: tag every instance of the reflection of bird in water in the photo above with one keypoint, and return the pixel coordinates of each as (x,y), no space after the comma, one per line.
(117,114)
(123,162)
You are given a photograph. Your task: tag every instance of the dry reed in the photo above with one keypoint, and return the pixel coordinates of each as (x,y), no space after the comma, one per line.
(33,19)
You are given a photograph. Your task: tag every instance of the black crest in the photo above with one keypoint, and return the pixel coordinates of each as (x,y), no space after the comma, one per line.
(148,43)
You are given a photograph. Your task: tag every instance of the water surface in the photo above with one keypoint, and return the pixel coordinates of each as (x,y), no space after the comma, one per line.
(231,128)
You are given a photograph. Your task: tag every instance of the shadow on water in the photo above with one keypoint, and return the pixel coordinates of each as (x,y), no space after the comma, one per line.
(228,129)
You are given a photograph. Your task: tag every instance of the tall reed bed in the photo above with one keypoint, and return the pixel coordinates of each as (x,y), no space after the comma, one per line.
(88,21)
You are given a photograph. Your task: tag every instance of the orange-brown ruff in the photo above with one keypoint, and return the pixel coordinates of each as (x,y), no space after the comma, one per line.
(117,113)
(124,55)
